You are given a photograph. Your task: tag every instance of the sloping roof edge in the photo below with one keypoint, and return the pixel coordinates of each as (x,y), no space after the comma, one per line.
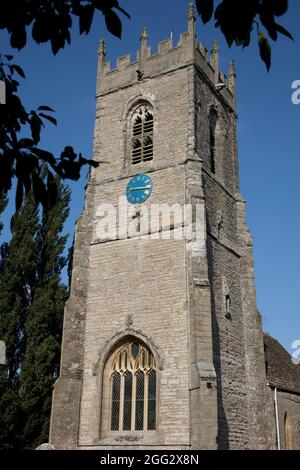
(281,371)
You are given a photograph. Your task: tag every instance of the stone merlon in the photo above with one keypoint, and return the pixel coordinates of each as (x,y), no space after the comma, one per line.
(168,58)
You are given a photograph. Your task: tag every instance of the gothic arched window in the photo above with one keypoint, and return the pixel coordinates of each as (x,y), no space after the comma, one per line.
(288,432)
(213,119)
(142,135)
(133,389)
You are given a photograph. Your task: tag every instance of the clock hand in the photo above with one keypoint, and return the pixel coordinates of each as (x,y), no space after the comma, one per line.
(138,189)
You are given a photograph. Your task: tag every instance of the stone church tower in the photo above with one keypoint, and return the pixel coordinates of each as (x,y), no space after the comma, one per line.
(162,342)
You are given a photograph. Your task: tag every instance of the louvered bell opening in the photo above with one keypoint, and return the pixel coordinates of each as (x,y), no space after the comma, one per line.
(148,120)
(136,156)
(148,127)
(148,149)
(137,127)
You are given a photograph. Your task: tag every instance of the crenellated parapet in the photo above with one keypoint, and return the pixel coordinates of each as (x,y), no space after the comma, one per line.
(168,58)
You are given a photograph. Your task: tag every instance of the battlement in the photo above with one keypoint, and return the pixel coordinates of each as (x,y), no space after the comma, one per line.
(169,57)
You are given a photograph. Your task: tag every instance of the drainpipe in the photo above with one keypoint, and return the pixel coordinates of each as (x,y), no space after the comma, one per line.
(277,419)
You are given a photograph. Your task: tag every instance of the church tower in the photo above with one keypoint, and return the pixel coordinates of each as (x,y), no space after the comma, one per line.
(162,341)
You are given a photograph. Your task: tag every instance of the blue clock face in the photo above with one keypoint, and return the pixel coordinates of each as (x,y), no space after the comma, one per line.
(139,189)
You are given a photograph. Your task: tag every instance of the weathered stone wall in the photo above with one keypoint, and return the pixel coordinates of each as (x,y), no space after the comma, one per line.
(237,337)
(144,279)
(67,389)
(168,96)
(223,266)
(229,352)
(226,152)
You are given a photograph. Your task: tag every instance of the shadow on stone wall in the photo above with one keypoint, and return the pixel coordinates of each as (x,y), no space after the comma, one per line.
(223,429)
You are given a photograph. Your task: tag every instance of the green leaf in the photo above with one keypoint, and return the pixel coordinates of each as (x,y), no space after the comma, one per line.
(44,155)
(229,37)
(117,6)
(18,38)
(283,31)
(86,18)
(45,108)
(205,9)
(267,19)
(25,143)
(57,42)
(279,7)
(113,23)
(265,50)
(19,70)
(35,126)
(49,118)
(41,29)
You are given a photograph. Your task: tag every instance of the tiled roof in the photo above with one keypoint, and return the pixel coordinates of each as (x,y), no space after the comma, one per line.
(281,371)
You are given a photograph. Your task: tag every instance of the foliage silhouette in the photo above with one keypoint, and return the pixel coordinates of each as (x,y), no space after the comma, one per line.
(237,20)
(22,158)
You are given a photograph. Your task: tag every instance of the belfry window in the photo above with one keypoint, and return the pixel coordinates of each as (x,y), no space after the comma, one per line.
(133,389)
(142,135)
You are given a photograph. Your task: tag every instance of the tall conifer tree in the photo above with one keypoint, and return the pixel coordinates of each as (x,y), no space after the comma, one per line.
(43,326)
(32,298)
(17,284)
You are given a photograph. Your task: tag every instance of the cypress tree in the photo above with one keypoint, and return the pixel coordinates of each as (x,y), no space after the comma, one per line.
(17,282)
(43,325)
(32,298)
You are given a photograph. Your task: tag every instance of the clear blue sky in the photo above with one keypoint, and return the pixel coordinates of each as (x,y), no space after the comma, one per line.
(268,134)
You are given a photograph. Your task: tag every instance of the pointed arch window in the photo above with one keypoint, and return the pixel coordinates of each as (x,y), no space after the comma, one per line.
(288,432)
(142,135)
(133,389)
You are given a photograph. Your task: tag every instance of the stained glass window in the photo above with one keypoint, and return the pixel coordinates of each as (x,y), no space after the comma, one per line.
(127,401)
(115,405)
(152,399)
(133,389)
(135,348)
(140,390)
